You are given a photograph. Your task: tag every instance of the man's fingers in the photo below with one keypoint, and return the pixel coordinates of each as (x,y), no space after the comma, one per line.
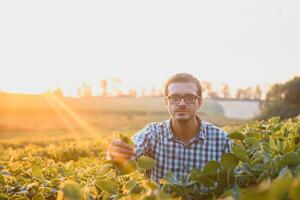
(120,156)
(120,143)
(121,150)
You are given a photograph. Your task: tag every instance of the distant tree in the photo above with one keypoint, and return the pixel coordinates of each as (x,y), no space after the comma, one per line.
(58,92)
(225,91)
(282,100)
(155,92)
(214,95)
(143,92)
(248,94)
(87,90)
(207,89)
(245,94)
(240,94)
(119,93)
(79,92)
(276,93)
(292,92)
(257,93)
(104,87)
(132,93)
(84,90)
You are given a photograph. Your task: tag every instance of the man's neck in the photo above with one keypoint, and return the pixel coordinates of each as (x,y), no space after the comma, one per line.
(185,130)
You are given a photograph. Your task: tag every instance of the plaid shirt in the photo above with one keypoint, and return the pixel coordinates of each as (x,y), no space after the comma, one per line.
(157,141)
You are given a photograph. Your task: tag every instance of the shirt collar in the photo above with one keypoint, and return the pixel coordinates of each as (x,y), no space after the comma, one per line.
(201,134)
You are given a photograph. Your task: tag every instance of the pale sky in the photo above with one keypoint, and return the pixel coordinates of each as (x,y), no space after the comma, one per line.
(45,44)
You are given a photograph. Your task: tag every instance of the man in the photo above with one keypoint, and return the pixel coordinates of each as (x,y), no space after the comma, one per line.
(183,142)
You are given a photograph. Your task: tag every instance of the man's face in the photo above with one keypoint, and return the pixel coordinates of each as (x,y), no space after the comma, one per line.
(182,101)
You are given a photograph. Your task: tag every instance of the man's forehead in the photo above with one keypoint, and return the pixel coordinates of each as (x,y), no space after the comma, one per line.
(182,87)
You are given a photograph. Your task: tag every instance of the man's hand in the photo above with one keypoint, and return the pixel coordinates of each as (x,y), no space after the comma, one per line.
(119,151)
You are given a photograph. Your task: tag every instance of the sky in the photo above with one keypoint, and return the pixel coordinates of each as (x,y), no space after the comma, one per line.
(46,44)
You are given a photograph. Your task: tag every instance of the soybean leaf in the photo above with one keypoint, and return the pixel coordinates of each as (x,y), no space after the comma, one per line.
(280,186)
(107,186)
(258,192)
(17,197)
(71,190)
(290,159)
(252,140)
(207,182)
(3,196)
(240,153)
(237,135)
(2,179)
(36,172)
(211,168)
(294,190)
(128,167)
(38,196)
(229,161)
(146,162)
(126,139)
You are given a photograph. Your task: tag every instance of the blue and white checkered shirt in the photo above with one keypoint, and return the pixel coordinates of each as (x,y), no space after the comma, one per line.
(157,141)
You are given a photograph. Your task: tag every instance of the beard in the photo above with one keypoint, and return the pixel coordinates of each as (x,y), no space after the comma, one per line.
(182,116)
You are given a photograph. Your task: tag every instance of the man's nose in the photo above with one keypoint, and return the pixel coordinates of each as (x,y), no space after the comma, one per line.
(182,102)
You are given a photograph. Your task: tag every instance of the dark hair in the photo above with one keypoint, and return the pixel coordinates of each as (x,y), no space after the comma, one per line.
(183,78)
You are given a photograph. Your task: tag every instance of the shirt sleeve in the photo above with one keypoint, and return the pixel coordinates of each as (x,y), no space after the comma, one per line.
(143,141)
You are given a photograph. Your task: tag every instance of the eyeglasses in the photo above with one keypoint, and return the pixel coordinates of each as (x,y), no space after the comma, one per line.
(188,98)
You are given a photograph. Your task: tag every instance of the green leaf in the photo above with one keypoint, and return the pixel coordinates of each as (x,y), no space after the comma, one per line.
(105,168)
(18,197)
(295,189)
(252,140)
(258,192)
(194,174)
(133,186)
(2,179)
(126,139)
(39,196)
(237,136)
(3,196)
(7,173)
(146,162)
(150,184)
(290,159)
(280,186)
(259,167)
(229,161)
(128,167)
(211,168)
(71,190)
(207,182)
(240,153)
(36,172)
(107,186)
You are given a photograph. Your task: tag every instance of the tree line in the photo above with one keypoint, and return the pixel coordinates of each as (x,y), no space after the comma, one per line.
(225,92)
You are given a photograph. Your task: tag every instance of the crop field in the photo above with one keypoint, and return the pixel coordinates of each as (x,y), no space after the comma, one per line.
(264,164)
(59,152)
